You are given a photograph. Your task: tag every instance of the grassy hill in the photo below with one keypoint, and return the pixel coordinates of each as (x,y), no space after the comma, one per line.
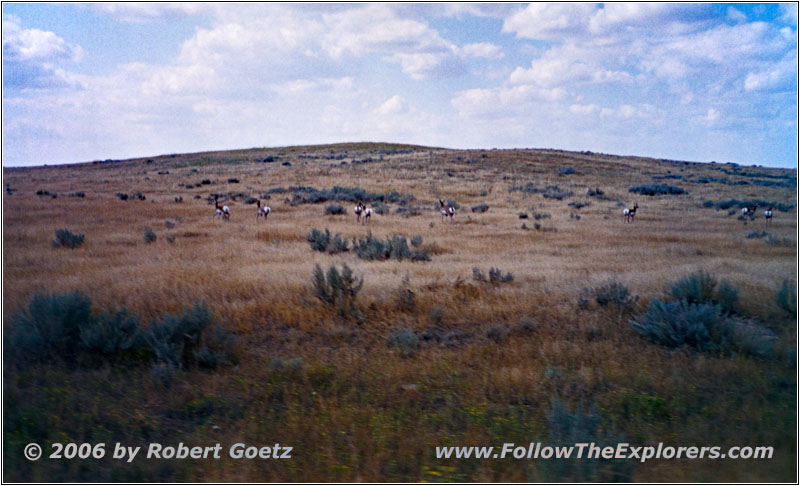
(516,327)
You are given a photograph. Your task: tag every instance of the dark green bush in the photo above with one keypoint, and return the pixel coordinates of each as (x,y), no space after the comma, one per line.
(496,276)
(50,328)
(68,239)
(149,235)
(700,287)
(678,323)
(404,340)
(786,298)
(324,242)
(566,428)
(338,289)
(334,209)
(657,190)
(176,339)
(480,208)
(612,293)
(394,247)
(110,333)
(694,288)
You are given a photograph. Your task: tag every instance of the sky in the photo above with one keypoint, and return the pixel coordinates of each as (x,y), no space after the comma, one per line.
(700,82)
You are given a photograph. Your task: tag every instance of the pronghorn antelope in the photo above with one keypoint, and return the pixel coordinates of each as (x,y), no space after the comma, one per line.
(367,214)
(749,211)
(223,211)
(768,216)
(630,213)
(262,211)
(358,210)
(446,210)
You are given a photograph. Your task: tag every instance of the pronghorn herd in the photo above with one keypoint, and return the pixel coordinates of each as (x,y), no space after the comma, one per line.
(364,213)
(750,211)
(362,210)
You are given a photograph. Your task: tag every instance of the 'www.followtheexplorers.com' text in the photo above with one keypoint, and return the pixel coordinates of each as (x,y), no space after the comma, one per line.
(590,450)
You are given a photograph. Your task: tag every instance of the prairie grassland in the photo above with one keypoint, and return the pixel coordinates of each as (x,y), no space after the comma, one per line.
(491,359)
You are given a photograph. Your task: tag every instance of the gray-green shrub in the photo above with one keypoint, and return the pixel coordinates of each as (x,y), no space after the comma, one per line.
(334,209)
(149,235)
(338,289)
(701,287)
(394,247)
(677,323)
(404,340)
(110,333)
(67,239)
(324,242)
(50,328)
(694,288)
(786,298)
(175,339)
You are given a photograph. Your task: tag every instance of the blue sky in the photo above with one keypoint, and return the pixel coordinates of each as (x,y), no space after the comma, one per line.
(697,82)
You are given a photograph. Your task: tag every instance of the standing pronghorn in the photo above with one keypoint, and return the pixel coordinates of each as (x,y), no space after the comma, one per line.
(630,213)
(367,214)
(223,211)
(447,210)
(749,211)
(768,216)
(358,210)
(262,211)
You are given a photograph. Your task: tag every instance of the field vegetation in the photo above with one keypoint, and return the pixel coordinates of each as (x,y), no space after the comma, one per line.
(145,318)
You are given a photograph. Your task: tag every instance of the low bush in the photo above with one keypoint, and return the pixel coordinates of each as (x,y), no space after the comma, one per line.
(404,340)
(657,190)
(566,428)
(579,205)
(678,323)
(50,328)
(613,293)
(554,192)
(786,298)
(61,328)
(176,339)
(702,326)
(67,239)
(564,171)
(480,208)
(338,290)
(110,333)
(694,288)
(149,235)
(334,209)
(496,276)
(324,242)
(596,192)
(773,240)
(380,208)
(394,247)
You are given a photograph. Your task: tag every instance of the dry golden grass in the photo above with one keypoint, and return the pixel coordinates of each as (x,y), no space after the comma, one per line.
(359,424)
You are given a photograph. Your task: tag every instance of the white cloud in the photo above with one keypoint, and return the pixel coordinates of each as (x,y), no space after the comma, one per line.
(139,12)
(33,58)
(789,13)
(555,69)
(482,49)
(736,15)
(584,109)
(779,76)
(549,20)
(393,106)
(507,100)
